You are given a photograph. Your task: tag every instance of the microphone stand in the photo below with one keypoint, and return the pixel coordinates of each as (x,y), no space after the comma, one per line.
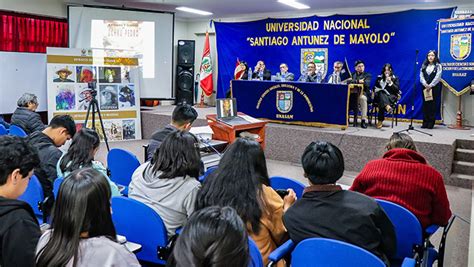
(410,127)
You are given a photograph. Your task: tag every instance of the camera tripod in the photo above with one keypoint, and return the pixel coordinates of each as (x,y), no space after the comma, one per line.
(94,106)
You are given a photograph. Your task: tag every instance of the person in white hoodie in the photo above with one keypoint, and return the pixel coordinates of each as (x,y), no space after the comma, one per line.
(169,183)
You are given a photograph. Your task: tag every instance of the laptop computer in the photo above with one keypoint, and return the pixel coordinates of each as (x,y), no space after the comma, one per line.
(227,112)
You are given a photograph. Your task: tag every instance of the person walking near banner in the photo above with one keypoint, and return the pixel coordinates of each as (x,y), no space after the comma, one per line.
(206,82)
(430,77)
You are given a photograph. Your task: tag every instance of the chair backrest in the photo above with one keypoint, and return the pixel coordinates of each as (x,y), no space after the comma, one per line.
(139,224)
(332,253)
(209,170)
(279,182)
(56,185)
(407,228)
(3,130)
(17,130)
(256,259)
(33,195)
(121,164)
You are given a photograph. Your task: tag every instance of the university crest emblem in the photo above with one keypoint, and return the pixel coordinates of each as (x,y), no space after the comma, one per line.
(284,101)
(318,56)
(461,46)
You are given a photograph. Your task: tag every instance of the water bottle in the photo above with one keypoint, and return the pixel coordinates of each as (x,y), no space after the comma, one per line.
(282,77)
(318,77)
(250,75)
(260,75)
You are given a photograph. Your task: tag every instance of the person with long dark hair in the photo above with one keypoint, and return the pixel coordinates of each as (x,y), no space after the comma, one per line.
(430,78)
(169,183)
(387,92)
(81,153)
(239,182)
(82,232)
(213,237)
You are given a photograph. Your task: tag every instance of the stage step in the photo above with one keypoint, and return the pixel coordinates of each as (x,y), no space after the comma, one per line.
(463,167)
(467,144)
(462,176)
(463,154)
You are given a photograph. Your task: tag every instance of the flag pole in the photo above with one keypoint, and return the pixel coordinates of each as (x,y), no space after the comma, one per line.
(201,103)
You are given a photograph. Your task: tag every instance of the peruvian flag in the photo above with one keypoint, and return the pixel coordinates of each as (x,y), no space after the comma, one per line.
(239,70)
(206,69)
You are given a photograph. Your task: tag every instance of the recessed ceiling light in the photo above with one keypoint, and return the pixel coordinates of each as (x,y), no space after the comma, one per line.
(293,4)
(193,10)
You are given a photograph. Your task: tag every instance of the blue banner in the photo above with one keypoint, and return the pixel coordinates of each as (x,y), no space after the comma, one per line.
(311,104)
(375,39)
(455,54)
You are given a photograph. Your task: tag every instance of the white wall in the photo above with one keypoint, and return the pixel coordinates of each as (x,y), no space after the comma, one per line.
(55,8)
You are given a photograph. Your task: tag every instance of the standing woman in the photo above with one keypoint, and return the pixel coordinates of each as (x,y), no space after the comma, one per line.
(387,92)
(430,77)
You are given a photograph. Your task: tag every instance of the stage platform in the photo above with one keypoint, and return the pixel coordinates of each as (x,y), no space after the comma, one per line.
(287,142)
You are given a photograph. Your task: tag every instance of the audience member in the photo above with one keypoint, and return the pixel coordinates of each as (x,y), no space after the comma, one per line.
(4,123)
(60,129)
(182,118)
(213,237)
(82,232)
(25,114)
(325,210)
(19,230)
(81,154)
(236,183)
(169,182)
(403,176)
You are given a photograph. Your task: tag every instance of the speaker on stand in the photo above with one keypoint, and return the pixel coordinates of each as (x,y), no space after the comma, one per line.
(185,72)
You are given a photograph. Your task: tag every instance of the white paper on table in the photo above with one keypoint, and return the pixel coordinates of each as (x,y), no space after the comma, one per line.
(249,119)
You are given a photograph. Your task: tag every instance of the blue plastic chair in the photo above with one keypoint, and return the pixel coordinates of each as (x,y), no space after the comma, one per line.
(17,131)
(34,196)
(3,130)
(279,182)
(56,185)
(256,259)
(409,233)
(121,164)
(329,253)
(140,224)
(209,170)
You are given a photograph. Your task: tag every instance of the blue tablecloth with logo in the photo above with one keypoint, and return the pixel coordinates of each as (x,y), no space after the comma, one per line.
(312,104)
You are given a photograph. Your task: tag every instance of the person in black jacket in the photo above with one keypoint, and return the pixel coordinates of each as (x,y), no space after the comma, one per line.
(182,118)
(25,114)
(60,129)
(364,78)
(387,92)
(261,72)
(19,229)
(327,211)
(430,78)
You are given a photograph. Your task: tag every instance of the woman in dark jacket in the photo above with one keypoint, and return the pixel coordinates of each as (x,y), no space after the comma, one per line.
(25,115)
(387,92)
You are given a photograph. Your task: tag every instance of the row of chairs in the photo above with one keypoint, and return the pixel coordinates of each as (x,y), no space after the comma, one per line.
(14,130)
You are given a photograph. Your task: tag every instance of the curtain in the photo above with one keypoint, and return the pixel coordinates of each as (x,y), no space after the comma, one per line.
(30,33)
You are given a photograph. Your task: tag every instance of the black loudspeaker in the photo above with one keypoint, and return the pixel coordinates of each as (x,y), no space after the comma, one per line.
(185,84)
(185,72)
(185,52)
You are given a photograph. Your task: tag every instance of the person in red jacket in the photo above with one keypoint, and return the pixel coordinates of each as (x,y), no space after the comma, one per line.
(404,177)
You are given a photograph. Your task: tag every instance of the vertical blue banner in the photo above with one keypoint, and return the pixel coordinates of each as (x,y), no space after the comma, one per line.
(375,39)
(455,54)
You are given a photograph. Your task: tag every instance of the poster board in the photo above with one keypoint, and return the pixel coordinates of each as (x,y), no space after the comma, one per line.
(71,73)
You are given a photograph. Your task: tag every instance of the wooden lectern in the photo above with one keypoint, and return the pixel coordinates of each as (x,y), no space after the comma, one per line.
(229,133)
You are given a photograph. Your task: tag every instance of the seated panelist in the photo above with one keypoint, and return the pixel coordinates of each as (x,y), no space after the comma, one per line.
(284,75)
(261,72)
(311,75)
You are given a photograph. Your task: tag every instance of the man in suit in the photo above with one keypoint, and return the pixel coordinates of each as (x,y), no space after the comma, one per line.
(311,75)
(284,75)
(335,77)
(362,77)
(261,72)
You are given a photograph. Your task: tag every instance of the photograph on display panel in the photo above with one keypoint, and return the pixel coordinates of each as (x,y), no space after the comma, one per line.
(63,74)
(108,95)
(65,97)
(126,96)
(129,129)
(110,75)
(86,74)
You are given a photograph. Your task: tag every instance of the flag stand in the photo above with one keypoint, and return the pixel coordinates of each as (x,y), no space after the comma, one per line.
(201,103)
(458,125)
